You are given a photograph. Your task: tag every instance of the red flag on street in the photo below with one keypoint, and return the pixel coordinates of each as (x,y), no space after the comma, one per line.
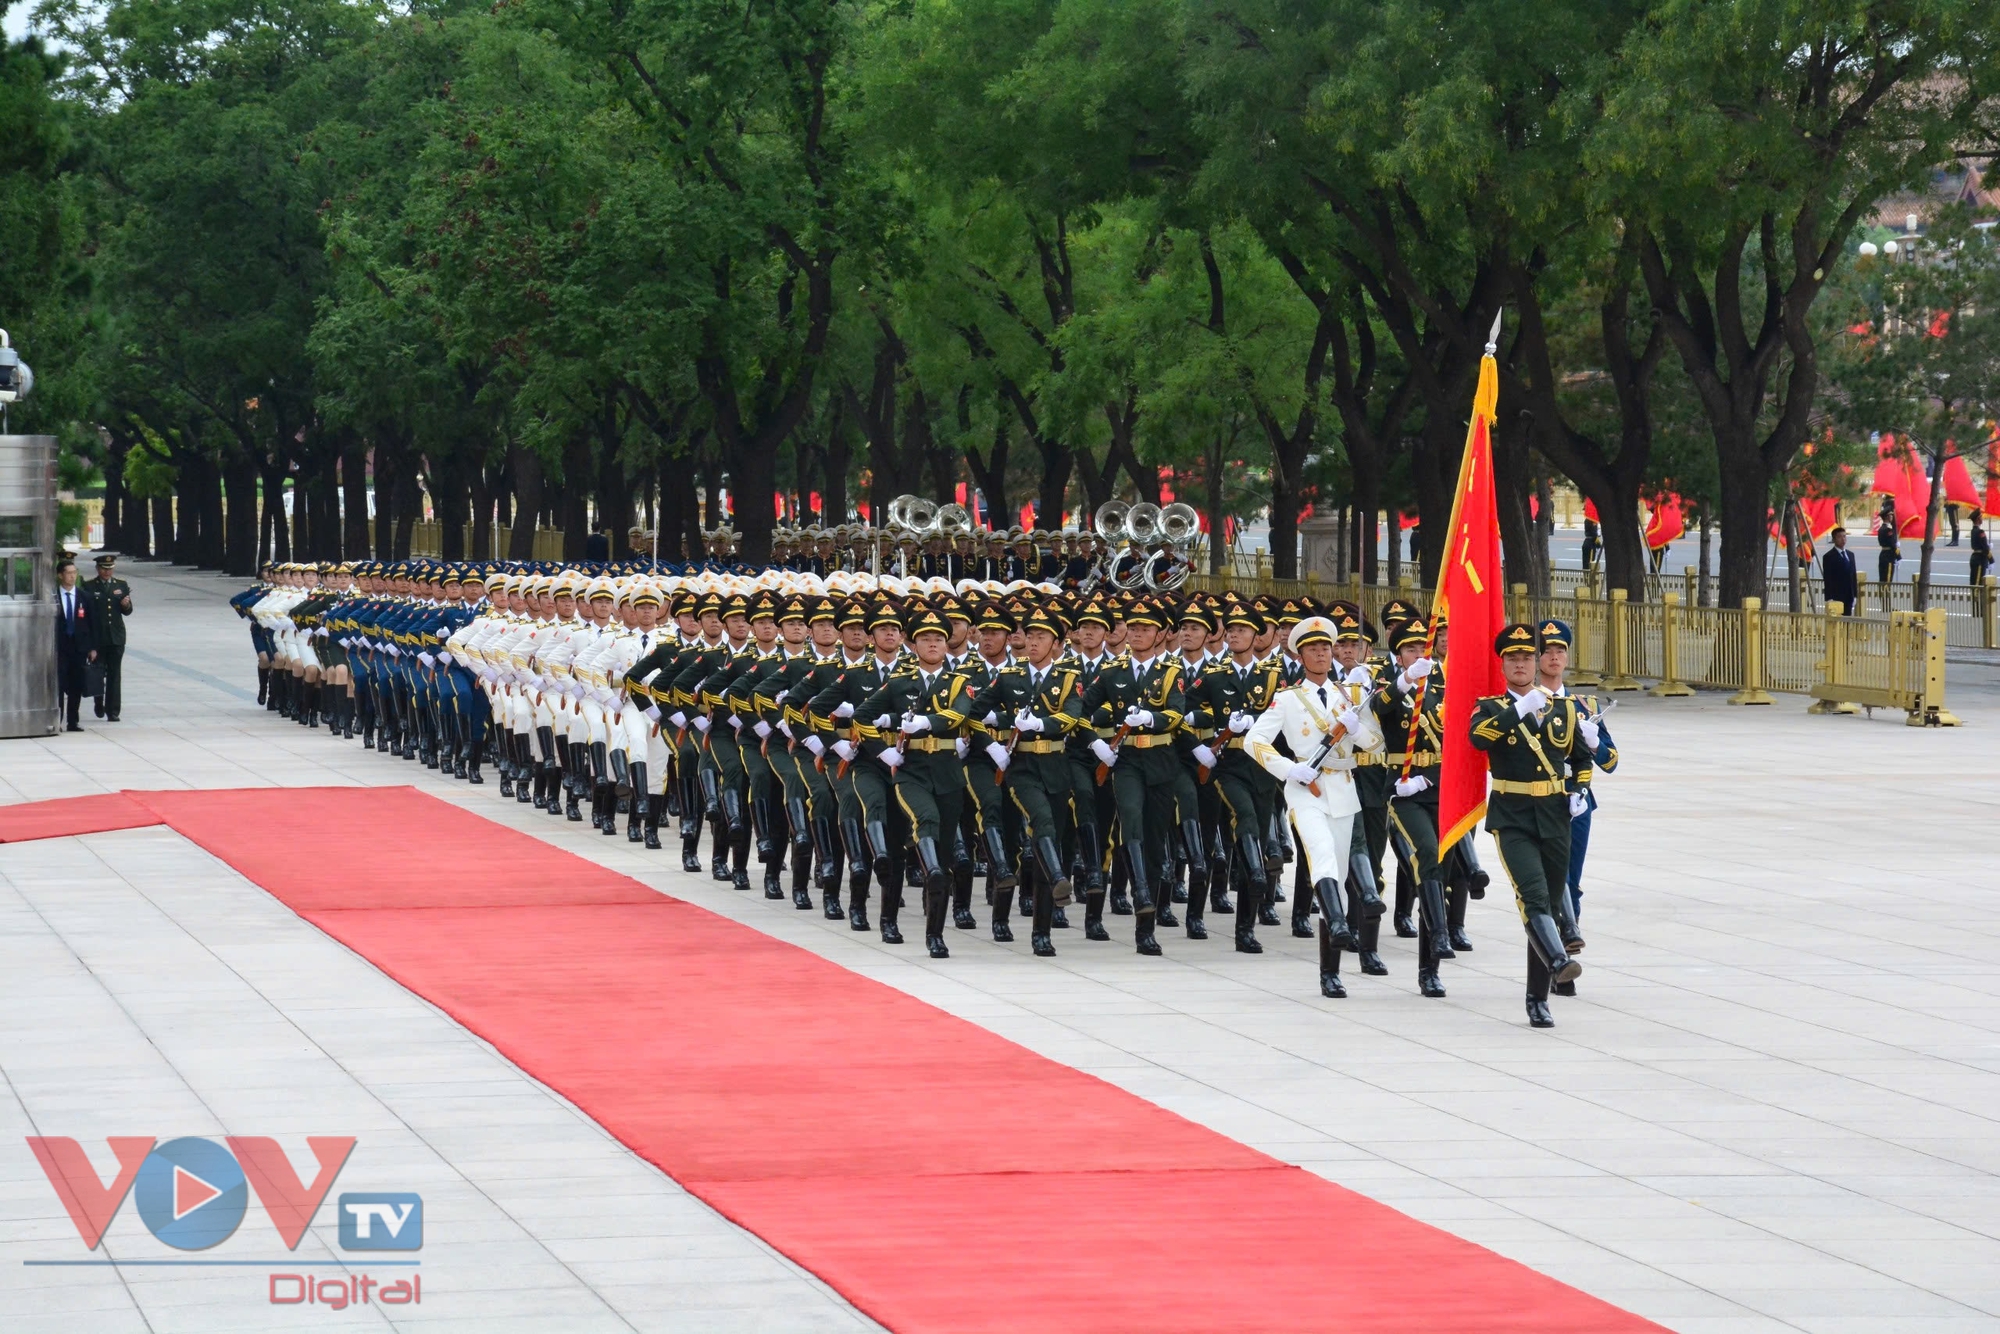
(1470,592)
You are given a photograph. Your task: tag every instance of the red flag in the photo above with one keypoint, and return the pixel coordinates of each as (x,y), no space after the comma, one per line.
(1471,593)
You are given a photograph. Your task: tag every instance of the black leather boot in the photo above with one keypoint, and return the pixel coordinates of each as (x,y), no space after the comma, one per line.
(1249,893)
(643,801)
(827,862)
(1093,916)
(1197,902)
(732,811)
(1538,991)
(739,856)
(882,857)
(1045,906)
(1428,982)
(857,897)
(937,896)
(507,769)
(802,869)
(1121,874)
(1197,872)
(1546,940)
(761,824)
(1144,911)
(1328,894)
(1431,894)
(774,872)
(1330,985)
(1566,925)
(892,905)
(1454,910)
(1003,905)
(691,848)
(961,885)
(525,769)
(718,849)
(1406,896)
(1302,908)
(652,834)
(1371,940)
(573,792)
(1221,869)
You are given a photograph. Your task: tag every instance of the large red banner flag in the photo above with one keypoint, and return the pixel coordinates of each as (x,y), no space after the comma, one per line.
(1471,595)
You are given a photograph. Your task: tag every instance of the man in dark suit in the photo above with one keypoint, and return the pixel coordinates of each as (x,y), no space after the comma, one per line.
(1836,567)
(74,639)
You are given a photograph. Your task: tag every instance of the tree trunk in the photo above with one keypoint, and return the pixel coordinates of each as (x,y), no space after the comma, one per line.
(1745,485)
(408,503)
(527,471)
(1212,515)
(1701,598)
(447,486)
(574,508)
(326,505)
(1922,597)
(240,556)
(354,542)
(388,476)
(163,527)
(485,480)
(835,460)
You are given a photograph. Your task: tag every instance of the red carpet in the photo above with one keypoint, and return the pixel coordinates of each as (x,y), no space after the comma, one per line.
(937,1175)
(68,816)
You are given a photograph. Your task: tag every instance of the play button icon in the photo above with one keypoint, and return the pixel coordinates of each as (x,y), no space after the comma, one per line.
(190,1193)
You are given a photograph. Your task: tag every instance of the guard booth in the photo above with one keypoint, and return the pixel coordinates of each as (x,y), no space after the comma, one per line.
(28,702)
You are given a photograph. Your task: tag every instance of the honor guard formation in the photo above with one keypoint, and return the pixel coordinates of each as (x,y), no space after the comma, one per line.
(1021,710)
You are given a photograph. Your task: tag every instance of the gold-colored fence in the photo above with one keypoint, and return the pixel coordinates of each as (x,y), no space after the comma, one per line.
(1843,662)
(427,539)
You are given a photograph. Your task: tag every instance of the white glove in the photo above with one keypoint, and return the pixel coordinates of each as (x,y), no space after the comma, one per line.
(846,710)
(1419,669)
(1578,805)
(992,717)
(815,745)
(1138,718)
(1359,675)
(1240,723)
(883,720)
(701,723)
(844,748)
(1531,702)
(1026,721)
(1409,787)
(1303,773)
(736,723)
(1350,720)
(785,726)
(997,753)
(892,758)
(961,746)
(1103,751)
(1591,736)
(445,658)
(653,712)
(425,658)
(1206,756)
(915,723)
(679,718)
(763,729)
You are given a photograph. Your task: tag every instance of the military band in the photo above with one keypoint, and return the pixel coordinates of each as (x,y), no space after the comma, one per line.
(930,731)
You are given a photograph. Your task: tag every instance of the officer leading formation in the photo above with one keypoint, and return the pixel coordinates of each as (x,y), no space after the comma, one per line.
(908,737)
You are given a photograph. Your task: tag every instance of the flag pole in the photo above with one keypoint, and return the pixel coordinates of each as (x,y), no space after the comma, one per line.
(1431,629)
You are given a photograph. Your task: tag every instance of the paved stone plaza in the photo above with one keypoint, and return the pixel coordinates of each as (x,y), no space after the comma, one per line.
(1771,1107)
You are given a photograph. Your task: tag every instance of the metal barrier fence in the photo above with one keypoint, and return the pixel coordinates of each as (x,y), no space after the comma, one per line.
(427,539)
(1893,661)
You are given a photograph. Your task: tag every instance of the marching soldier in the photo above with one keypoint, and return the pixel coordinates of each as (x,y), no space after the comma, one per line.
(856,746)
(1141,697)
(1038,704)
(918,714)
(1550,667)
(1096,805)
(1226,701)
(1538,759)
(996,820)
(1407,707)
(1322,730)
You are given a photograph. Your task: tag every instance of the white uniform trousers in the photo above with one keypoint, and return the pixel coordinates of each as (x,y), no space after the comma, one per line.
(1324,824)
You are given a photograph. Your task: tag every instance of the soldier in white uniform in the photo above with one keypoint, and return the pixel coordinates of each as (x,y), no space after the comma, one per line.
(1322,730)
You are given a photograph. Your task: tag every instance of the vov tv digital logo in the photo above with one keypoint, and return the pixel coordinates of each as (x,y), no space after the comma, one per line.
(192,1193)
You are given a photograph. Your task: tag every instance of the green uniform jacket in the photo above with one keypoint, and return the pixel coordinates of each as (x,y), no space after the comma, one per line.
(1536,749)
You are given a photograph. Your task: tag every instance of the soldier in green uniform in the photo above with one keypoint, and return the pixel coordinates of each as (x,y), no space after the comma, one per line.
(1095,807)
(1407,708)
(919,714)
(834,712)
(996,820)
(840,641)
(109,600)
(1142,697)
(1038,704)
(1537,756)
(770,681)
(1225,700)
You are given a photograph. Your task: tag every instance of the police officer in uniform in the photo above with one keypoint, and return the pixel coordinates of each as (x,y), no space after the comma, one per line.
(109,600)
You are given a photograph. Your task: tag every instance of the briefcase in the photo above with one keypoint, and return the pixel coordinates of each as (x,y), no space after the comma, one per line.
(93,679)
